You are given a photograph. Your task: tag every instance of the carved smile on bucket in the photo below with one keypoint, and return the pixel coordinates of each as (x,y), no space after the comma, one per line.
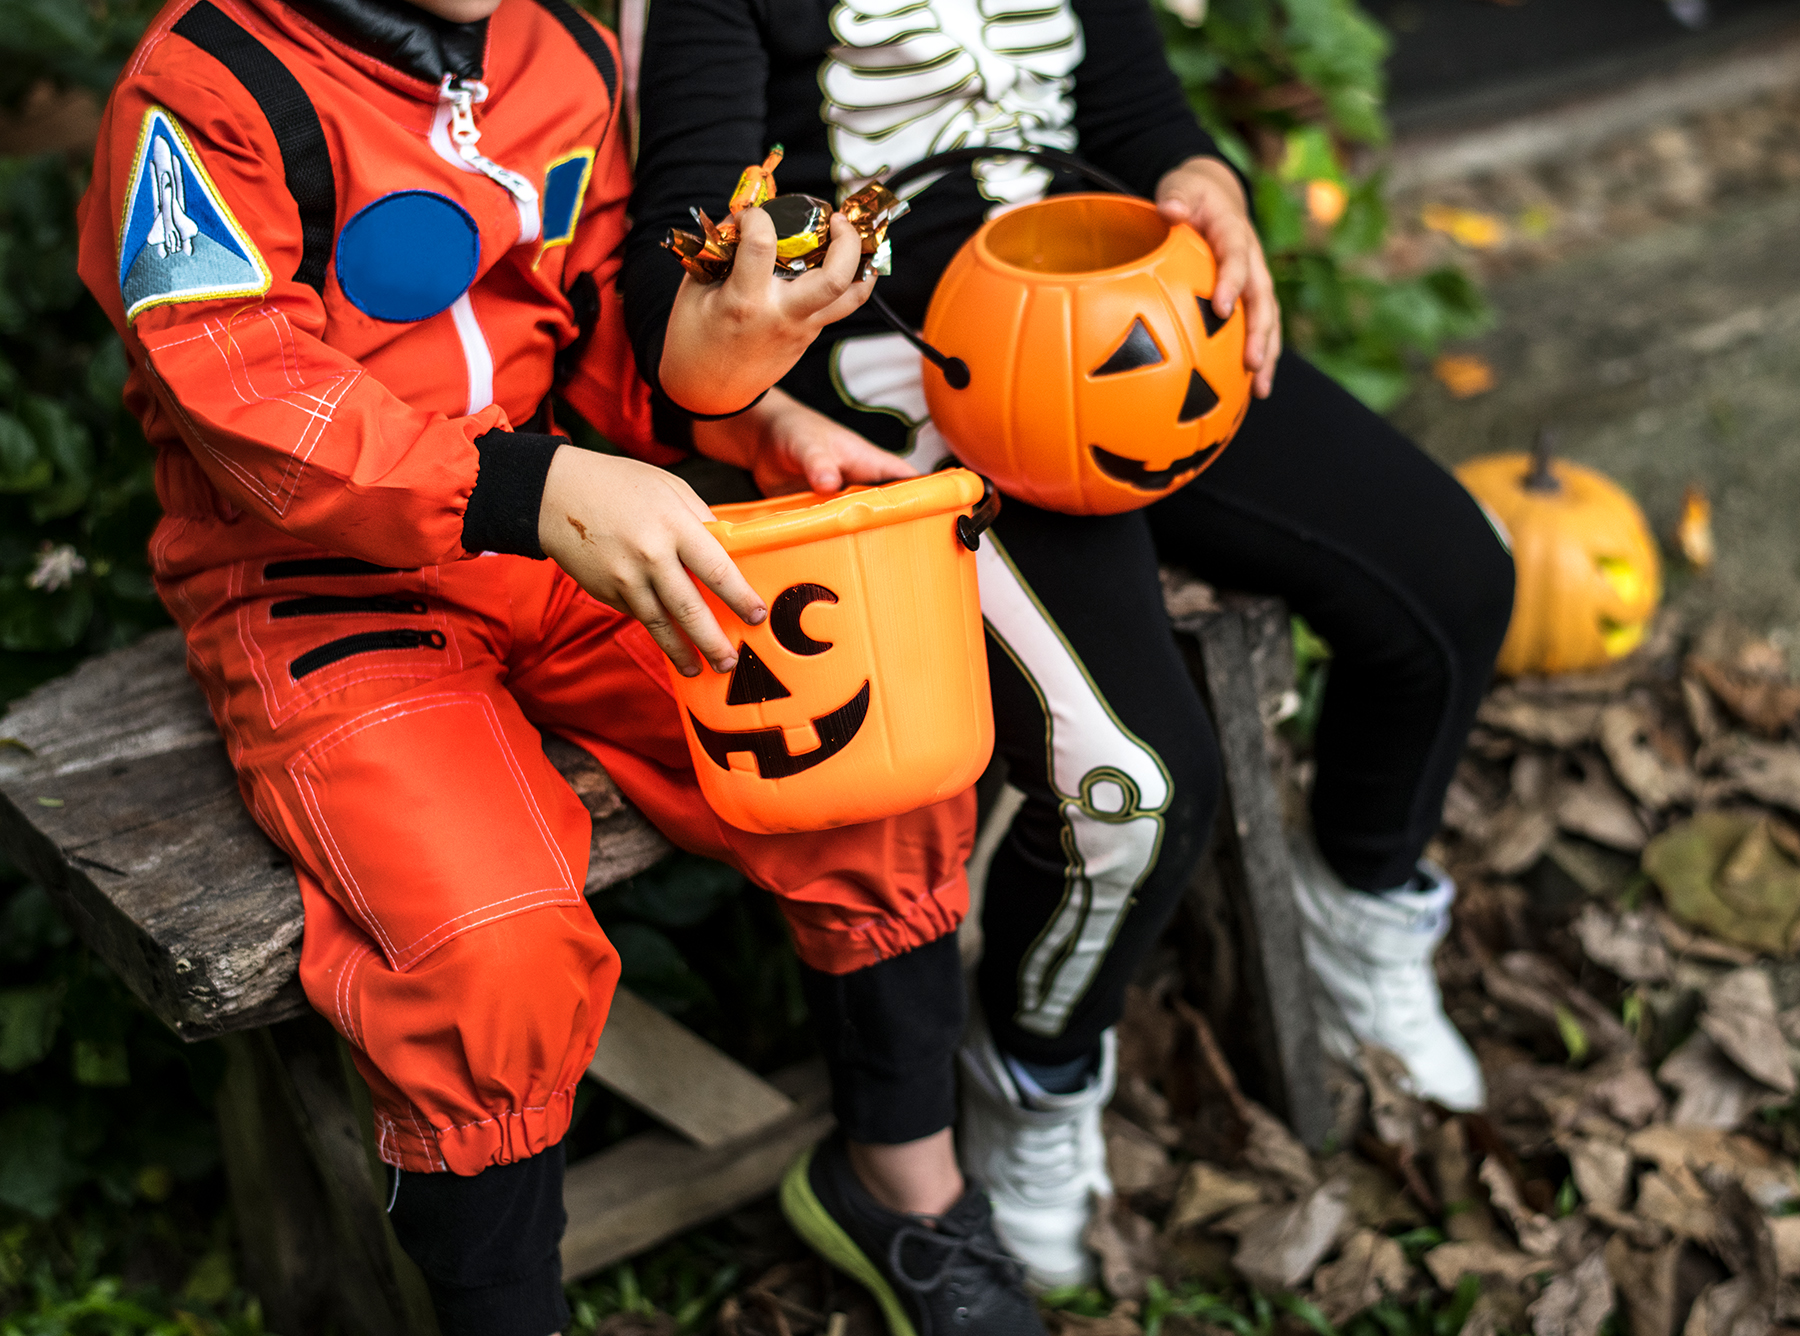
(1132,472)
(769,745)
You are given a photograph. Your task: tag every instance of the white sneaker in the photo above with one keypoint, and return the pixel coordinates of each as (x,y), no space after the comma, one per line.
(1374,984)
(1041,1158)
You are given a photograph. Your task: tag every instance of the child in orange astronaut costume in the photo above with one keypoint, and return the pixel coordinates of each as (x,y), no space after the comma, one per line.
(351,245)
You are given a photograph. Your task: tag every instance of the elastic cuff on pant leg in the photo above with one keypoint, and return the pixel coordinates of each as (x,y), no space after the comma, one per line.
(890,1033)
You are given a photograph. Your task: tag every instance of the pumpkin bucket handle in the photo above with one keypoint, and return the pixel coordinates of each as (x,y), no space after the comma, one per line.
(956,371)
(970,527)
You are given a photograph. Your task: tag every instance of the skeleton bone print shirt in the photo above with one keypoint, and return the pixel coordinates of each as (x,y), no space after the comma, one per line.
(854,89)
(908,80)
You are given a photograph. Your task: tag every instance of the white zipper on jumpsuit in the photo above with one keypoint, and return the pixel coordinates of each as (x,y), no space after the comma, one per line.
(454,136)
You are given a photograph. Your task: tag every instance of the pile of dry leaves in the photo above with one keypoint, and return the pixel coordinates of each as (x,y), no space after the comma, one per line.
(1622,959)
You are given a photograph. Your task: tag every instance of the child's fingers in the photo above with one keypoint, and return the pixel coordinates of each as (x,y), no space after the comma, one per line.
(755,259)
(1231,248)
(700,553)
(687,610)
(815,295)
(641,602)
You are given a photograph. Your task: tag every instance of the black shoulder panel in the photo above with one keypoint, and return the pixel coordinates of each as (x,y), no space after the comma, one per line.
(304,157)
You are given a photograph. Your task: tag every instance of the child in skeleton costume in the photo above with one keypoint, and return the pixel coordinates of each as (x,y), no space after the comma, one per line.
(1317,500)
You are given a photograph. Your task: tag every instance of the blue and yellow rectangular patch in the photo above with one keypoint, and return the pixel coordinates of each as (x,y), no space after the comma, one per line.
(565,183)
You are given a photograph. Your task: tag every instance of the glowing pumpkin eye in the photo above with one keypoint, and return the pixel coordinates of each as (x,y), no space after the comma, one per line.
(1138,350)
(1213,321)
(1622,576)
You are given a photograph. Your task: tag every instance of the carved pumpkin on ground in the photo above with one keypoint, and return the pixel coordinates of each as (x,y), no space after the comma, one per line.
(1099,377)
(1587,570)
(865,692)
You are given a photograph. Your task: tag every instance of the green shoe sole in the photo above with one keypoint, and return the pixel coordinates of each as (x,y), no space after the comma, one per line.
(812,1222)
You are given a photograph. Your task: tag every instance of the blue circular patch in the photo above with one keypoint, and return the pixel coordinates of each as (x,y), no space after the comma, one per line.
(408,255)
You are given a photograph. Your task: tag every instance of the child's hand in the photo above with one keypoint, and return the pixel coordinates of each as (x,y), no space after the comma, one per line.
(1204,194)
(728,342)
(629,533)
(790,448)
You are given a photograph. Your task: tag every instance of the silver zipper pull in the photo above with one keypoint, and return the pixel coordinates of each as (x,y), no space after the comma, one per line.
(462,95)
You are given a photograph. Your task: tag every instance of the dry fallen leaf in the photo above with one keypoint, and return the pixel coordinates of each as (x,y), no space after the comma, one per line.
(1597,808)
(1601,1170)
(1575,1304)
(1722,871)
(1740,1019)
(1477,231)
(1283,1248)
(1714,1090)
(1136,1161)
(1627,944)
(1768,704)
(1464,374)
(1537,1232)
(1768,1179)
(1675,1200)
(1207,1192)
(1694,530)
(1562,724)
(1649,1285)
(1766,771)
(1120,1322)
(1125,1243)
(1627,738)
(1730,1308)
(1448,1263)
(1370,1267)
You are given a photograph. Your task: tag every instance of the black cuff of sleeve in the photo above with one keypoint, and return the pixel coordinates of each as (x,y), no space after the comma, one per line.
(670,423)
(502,515)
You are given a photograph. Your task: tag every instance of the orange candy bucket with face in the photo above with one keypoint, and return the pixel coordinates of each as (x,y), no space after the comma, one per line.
(864,693)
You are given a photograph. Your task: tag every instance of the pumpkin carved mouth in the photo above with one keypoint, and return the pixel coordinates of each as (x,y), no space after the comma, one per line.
(769,745)
(1132,472)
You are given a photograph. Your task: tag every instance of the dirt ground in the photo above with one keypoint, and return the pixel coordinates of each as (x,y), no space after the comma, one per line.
(1649,314)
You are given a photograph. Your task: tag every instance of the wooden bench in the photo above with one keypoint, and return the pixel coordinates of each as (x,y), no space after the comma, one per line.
(116,794)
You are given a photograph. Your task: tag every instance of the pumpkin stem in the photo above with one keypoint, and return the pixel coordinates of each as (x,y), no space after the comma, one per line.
(1541,479)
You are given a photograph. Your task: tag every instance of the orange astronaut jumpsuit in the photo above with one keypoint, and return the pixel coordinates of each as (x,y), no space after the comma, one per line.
(335,319)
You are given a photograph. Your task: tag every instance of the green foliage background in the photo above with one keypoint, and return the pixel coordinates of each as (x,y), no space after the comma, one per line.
(112,1216)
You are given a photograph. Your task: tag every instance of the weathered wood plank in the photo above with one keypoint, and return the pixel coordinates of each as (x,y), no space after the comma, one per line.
(679,1079)
(654,1186)
(1243,654)
(120,799)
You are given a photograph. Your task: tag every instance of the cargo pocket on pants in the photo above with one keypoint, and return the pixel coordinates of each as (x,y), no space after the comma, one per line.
(430,823)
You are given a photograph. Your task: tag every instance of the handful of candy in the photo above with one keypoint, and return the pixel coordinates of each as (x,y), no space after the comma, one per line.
(802,227)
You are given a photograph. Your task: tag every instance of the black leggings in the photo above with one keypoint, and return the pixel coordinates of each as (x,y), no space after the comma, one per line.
(1319,501)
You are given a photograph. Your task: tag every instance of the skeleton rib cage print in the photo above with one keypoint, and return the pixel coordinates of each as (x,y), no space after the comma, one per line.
(909,79)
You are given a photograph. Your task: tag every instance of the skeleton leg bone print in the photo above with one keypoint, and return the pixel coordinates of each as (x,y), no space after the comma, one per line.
(1110,788)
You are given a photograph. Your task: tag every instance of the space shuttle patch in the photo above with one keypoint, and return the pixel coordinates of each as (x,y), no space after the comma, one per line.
(178,241)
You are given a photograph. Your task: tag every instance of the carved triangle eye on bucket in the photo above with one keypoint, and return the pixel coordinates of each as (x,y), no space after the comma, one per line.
(1213,321)
(752,682)
(1200,399)
(1138,350)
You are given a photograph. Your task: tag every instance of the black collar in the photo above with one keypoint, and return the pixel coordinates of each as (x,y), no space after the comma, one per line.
(404,36)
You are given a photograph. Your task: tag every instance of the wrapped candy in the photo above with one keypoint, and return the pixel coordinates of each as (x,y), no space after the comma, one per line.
(802,226)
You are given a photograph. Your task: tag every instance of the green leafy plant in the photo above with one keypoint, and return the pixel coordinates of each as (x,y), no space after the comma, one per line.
(1289,88)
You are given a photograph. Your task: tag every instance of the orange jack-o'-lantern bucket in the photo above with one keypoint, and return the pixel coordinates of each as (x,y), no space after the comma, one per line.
(1073,353)
(864,693)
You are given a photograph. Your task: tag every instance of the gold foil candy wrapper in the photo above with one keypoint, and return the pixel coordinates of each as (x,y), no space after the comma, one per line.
(802,227)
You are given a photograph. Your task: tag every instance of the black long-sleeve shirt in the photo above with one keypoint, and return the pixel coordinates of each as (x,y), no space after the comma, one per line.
(723,80)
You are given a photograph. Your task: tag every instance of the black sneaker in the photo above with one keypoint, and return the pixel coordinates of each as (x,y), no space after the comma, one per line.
(930,1278)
